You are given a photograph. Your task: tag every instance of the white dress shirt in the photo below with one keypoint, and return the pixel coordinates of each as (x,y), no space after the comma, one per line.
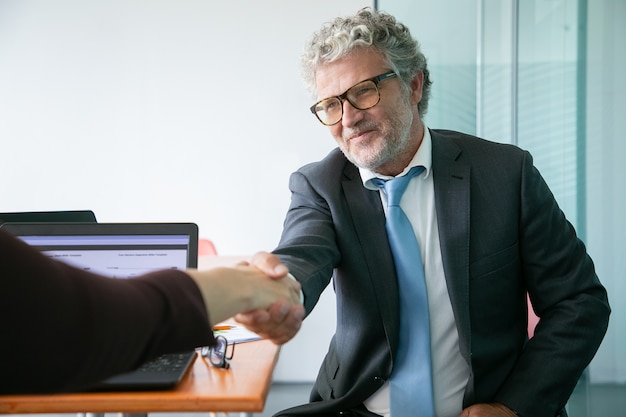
(450,371)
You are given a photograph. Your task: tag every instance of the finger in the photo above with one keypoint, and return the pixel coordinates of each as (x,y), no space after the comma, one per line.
(281,340)
(299,313)
(294,294)
(294,285)
(295,319)
(289,327)
(253,318)
(280,335)
(269,264)
(278,312)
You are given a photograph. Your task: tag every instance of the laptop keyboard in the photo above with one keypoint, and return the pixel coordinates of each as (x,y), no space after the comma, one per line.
(163,372)
(171,362)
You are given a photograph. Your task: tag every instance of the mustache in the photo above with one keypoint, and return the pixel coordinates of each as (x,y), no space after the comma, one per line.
(358,129)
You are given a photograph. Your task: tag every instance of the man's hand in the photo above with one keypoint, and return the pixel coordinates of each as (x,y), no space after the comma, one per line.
(280,322)
(269,264)
(488,410)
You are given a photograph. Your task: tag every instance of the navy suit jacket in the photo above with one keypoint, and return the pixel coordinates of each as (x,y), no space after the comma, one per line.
(502,236)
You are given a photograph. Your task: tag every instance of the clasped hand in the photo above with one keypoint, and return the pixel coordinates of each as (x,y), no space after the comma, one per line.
(282,320)
(227,291)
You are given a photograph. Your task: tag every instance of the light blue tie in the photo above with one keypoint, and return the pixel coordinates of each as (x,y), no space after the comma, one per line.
(411,379)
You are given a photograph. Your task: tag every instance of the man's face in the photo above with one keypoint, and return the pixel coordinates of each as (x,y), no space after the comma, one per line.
(385,137)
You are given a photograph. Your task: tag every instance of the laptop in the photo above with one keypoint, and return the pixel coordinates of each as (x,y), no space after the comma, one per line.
(66,216)
(121,251)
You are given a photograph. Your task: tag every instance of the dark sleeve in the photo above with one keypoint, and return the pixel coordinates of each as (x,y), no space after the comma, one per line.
(568,296)
(64,328)
(308,241)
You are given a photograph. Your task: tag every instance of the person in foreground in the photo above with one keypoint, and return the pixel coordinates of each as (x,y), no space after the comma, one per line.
(64,329)
(486,227)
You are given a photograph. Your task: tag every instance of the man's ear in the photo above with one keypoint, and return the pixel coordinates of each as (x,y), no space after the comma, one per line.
(417,83)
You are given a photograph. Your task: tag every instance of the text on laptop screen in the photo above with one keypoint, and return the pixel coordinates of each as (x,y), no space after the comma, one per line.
(116,256)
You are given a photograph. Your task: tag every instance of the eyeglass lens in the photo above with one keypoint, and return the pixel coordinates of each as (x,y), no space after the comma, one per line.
(218,355)
(361,96)
(218,352)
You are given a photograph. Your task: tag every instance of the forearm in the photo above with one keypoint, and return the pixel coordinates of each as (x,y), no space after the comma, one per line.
(81,327)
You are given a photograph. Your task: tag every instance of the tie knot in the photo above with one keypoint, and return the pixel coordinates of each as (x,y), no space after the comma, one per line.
(394,188)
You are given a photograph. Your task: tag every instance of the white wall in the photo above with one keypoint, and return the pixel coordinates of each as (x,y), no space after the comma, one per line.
(148,110)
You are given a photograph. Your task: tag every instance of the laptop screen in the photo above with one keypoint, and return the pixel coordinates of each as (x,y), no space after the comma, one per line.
(117,250)
(86,216)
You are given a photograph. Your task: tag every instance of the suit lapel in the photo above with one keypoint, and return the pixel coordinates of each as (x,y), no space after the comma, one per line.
(452,201)
(368,218)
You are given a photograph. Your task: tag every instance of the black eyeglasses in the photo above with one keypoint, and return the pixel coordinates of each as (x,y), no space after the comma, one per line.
(362,96)
(220,354)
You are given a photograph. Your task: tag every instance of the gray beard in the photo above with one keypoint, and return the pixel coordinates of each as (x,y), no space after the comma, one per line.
(392,150)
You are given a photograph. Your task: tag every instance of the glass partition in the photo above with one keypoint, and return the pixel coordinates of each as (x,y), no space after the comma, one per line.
(547,76)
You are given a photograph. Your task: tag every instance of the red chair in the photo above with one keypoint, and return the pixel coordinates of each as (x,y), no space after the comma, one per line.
(532,319)
(206,248)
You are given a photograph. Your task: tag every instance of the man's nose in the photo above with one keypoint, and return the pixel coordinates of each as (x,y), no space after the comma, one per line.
(351,114)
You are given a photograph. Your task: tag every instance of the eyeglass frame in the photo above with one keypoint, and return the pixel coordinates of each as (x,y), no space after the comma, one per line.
(224,356)
(377,79)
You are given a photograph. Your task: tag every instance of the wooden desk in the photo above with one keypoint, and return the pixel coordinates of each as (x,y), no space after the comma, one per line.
(242,388)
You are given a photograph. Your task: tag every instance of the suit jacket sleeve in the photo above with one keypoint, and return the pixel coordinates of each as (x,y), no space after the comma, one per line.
(560,278)
(503,235)
(64,328)
(335,228)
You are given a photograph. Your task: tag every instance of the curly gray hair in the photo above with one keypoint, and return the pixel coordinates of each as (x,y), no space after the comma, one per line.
(367,29)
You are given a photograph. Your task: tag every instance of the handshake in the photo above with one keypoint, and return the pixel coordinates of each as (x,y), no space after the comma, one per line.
(260,294)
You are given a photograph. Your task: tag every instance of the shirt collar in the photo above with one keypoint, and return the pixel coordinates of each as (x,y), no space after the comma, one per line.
(423,157)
